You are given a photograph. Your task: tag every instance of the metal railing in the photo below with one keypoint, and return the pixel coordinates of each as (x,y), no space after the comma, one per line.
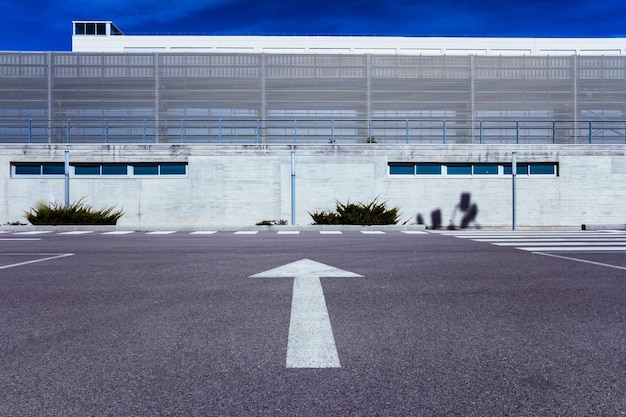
(312,131)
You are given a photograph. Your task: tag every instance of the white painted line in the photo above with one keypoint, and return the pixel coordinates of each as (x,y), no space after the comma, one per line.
(414,232)
(574,249)
(204,232)
(247,232)
(311,343)
(62,255)
(288,232)
(598,239)
(562,243)
(536,236)
(77,232)
(581,260)
(162,232)
(33,232)
(330,232)
(119,232)
(21,238)
(372,232)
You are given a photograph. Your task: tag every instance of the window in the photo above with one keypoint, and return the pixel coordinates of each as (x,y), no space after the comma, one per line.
(428,169)
(146,169)
(480,169)
(542,169)
(402,169)
(52,168)
(459,169)
(114,169)
(94,169)
(173,169)
(485,169)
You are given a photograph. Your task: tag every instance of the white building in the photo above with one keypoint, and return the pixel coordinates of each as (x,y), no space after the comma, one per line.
(214,130)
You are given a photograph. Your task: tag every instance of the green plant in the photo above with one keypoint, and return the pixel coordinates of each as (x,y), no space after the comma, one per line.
(372,213)
(75,213)
(272,222)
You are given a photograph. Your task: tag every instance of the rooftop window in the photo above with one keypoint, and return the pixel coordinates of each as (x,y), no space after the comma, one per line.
(96,28)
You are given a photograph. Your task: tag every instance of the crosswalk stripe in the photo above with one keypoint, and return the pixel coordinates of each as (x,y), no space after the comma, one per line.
(551,241)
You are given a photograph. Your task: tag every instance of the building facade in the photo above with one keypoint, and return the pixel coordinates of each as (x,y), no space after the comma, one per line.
(204,131)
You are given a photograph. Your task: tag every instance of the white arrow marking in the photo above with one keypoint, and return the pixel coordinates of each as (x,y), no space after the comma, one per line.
(311,343)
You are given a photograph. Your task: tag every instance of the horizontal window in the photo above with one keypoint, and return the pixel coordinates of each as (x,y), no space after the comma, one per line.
(478,169)
(91,170)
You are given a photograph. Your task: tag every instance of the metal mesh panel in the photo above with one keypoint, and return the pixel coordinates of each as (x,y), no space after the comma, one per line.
(311,97)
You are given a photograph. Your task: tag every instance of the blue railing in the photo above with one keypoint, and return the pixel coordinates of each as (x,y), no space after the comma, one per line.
(313,131)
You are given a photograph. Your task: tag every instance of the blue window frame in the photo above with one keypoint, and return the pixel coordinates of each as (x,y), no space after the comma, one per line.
(87,170)
(542,169)
(485,169)
(53,169)
(428,169)
(522,169)
(459,169)
(28,169)
(173,169)
(402,169)
(146,169)
(114,169)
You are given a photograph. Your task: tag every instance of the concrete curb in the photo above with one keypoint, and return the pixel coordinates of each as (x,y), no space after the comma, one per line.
(314,228)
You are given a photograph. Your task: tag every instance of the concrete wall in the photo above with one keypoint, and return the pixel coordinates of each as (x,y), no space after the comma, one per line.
(242,185)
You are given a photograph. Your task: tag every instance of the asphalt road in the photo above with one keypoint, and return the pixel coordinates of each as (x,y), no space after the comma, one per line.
(175,325)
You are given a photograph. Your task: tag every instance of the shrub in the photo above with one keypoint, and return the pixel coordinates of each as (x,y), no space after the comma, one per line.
(75,213)
(372,213)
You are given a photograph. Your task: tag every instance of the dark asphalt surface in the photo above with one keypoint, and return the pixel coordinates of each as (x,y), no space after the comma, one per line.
(173,325)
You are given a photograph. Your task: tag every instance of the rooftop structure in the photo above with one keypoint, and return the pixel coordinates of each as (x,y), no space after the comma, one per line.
(104,36)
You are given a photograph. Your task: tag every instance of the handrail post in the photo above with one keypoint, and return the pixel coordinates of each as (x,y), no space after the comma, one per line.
(106,130)
(257,130)
(182,130)
(67,131)
(30,130)
(554,131)
(445,132)
(295,130)
(332,130)
(145,122)
(407,131)
(590,131)
(219,131)
(517,131)
(480,127)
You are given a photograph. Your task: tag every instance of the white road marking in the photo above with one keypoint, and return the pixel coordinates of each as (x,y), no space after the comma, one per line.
(330,232)
(204,232)
(34,232)
(573,248)
(414,232)
(48,258)
(288,232)
(20,238)
(372,232)
(119,232)
(77,232)
(560,243)
(310,343)
(247,232)
(581,260)
(162,232)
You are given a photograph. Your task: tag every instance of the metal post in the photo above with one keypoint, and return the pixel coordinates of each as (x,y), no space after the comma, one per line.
(293,188)
(67,178)
(445,132)
(590,131)
(514,197)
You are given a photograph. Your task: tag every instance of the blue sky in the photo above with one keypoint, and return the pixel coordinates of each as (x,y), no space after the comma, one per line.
(45,25)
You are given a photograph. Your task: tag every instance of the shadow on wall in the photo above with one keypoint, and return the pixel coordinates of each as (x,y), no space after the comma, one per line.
(466,208)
